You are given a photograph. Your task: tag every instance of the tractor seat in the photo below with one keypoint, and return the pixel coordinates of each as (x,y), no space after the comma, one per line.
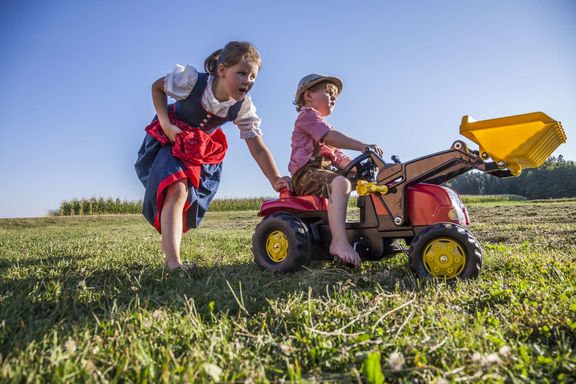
(289,202)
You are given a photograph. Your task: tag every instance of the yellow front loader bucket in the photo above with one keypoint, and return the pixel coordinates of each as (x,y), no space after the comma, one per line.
(515,142)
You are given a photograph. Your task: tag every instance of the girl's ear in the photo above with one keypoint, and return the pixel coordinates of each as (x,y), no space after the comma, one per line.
(220,70)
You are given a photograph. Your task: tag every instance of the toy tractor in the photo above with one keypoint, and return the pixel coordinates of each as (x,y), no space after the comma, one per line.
(406,201)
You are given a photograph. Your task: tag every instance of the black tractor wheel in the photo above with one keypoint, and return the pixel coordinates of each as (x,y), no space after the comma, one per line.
(281,243)
(445,250)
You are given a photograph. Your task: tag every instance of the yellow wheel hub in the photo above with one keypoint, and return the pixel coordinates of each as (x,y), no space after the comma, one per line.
(444,257)
(277,246)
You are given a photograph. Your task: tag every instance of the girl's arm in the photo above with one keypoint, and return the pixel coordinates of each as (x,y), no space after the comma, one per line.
(159,99)
(263,157)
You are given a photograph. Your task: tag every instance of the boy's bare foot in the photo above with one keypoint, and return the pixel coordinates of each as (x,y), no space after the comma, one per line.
(345,252)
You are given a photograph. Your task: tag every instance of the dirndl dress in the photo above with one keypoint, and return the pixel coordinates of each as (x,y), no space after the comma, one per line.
(196,156)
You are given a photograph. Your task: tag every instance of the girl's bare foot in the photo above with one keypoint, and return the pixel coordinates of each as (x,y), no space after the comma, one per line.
(185,267)
(344,251)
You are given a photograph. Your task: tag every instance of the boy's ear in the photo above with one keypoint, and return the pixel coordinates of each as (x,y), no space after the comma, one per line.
(306,95)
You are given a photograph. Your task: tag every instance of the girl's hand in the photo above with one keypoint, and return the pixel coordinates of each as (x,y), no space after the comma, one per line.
(281,183)
(170,130)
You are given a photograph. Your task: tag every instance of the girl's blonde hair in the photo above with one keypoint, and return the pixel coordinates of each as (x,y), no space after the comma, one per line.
(232,54)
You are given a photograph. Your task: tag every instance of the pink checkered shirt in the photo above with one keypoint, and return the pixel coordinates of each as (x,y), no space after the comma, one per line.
(309,130)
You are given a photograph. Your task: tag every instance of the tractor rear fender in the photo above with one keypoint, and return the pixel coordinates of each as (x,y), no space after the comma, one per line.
(287,202)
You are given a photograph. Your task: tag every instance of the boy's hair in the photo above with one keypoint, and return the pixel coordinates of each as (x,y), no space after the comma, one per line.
(232,54)
(323,84)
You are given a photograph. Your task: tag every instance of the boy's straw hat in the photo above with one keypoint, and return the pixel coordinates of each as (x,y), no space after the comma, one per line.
(313,79)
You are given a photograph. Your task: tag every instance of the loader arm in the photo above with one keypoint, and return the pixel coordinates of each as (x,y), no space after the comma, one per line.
(436,168)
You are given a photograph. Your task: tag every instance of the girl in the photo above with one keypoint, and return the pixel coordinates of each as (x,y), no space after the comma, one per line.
(180,161)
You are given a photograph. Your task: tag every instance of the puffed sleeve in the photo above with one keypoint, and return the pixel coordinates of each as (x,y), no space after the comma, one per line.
(247,120)
(179,83)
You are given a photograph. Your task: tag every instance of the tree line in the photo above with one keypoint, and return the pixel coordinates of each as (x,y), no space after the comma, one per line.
(556,178)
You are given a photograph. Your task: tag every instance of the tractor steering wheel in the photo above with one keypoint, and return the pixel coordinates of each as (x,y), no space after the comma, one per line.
(366,168)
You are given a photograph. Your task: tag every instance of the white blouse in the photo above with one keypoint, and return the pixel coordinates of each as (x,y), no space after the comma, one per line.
(179,83)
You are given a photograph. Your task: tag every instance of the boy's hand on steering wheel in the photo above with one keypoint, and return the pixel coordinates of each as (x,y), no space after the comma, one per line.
(375,148)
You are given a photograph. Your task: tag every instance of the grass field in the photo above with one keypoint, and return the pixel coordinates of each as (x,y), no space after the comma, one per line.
(87,299)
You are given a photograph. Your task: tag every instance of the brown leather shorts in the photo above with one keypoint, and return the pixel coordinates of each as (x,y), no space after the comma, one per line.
(314,178)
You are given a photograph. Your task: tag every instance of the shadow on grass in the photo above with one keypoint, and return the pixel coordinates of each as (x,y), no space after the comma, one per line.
(36,262)
(73,295)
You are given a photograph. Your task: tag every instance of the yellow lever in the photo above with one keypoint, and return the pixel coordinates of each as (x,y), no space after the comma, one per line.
(364,187)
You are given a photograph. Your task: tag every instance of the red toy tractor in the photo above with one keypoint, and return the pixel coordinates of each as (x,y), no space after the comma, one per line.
(406,201)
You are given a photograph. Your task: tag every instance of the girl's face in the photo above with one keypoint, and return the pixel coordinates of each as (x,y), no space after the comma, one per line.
(322,99)
(235,81)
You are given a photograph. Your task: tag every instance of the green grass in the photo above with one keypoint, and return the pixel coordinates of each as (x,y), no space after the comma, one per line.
(87,299)
(473,199)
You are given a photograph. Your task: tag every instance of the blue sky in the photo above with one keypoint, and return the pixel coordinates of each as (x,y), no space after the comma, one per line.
(75,80)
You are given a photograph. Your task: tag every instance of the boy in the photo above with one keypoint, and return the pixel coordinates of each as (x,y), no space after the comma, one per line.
(316,151)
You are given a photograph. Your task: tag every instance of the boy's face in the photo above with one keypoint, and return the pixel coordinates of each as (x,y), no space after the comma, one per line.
(322,99)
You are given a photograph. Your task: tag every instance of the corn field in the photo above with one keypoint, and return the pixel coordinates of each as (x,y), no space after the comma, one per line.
(101,206)
(98,206)
(110,206)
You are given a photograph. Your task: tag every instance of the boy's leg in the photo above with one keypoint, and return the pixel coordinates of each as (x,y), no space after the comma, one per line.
(171,222)
(340,247)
